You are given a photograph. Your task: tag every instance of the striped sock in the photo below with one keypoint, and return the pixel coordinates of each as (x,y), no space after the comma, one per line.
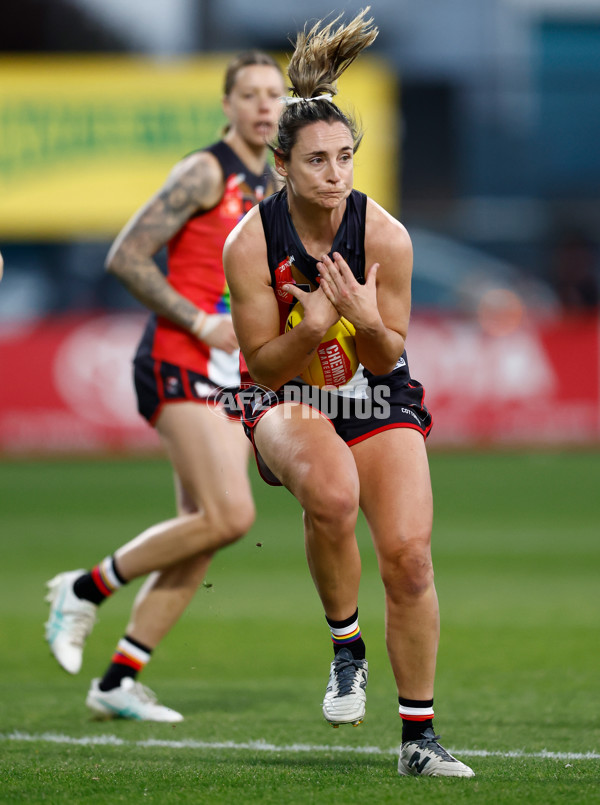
(129,659)
(416,715)
(346,634)
(100,582)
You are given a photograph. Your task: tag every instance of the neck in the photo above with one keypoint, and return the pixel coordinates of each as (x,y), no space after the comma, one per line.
(254,157)
(316,226)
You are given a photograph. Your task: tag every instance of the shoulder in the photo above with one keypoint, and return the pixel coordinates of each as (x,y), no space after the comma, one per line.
(382,228)
(380,222)
(247,237)
(201,176)
(387,242)
(245,255)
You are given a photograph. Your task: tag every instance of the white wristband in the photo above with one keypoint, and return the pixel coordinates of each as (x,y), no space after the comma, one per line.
(199,321)
(205,323)
(209,324)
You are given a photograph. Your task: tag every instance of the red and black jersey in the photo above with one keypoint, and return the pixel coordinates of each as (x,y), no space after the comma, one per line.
(195,270)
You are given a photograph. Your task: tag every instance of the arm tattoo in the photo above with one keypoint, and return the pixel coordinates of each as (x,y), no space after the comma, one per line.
(132,257)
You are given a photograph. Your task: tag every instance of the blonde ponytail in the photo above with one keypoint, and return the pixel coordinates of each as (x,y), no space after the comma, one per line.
(323,54)
(320,57)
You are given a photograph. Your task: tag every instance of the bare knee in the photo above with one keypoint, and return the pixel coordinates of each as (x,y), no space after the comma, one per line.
(407,570)
(233,520)
(332,508)
(217,526)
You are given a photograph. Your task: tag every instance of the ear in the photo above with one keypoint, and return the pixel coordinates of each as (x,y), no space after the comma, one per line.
(280,163)
(226,105)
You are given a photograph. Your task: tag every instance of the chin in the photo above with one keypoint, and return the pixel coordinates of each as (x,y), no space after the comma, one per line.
(332,201)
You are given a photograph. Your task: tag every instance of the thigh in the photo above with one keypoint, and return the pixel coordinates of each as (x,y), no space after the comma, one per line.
(395,486)
(302,449)
(209,454)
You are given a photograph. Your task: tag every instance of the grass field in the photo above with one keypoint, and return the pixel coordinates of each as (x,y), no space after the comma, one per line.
(516,551)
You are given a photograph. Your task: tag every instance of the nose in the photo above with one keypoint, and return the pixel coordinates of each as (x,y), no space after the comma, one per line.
(333,174)
(266,102)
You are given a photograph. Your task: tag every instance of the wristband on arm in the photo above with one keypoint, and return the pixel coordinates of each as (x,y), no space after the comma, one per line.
(204,324)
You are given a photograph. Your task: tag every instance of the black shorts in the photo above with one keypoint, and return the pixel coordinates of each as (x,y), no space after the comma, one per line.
(158,383)
(393,403)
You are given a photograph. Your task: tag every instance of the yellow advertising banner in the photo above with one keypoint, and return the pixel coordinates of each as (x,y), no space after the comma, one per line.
(85,141)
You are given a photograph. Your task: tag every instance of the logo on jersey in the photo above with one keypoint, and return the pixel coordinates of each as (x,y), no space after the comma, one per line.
(172,386)
(410,413)
(239,197)
(283,276)
(203,390)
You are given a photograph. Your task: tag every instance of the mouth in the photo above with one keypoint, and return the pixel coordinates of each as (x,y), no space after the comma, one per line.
(264,128)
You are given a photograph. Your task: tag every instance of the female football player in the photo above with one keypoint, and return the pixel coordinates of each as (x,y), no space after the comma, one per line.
(321,244)
(188,349)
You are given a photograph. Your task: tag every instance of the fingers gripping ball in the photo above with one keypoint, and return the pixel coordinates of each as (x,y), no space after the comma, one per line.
(335,361)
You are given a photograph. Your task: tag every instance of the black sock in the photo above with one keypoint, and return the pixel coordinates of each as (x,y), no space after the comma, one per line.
(414,723)
(101,581)
(357,649)
(346,634)
(129,659)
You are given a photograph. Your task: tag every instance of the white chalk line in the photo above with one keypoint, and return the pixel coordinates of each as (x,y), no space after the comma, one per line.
(264,746)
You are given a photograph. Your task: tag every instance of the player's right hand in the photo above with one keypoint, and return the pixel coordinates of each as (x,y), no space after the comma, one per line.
(220,333)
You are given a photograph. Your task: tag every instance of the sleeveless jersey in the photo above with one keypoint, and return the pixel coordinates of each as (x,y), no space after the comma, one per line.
(290,263)
(195,270)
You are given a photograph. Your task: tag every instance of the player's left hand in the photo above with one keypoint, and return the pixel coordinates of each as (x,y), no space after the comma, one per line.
(353,301)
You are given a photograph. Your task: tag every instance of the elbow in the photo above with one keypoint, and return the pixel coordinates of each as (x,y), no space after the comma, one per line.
(381,364)
(384,358)
(380,368)
(113,263)
(264,376)
(116,261)
(265,379)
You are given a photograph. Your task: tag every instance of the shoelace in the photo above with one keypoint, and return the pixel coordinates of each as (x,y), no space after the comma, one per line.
(81,626)
(346,674)
(430,741)
(144,694)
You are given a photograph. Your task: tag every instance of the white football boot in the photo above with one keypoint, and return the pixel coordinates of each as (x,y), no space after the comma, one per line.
(426,758)
(130,700)
(345,697)
(70,622)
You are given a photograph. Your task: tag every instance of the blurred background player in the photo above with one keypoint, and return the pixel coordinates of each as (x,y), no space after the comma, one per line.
(188,349)
(321,233)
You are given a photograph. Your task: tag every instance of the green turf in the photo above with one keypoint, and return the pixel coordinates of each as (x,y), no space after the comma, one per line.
(516,552)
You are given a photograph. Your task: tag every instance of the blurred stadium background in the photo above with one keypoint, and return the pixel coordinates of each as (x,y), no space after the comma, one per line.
(482,123)
(482,128)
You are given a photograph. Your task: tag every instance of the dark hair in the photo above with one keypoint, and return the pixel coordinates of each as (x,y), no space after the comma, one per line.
(319,59)
(246,59)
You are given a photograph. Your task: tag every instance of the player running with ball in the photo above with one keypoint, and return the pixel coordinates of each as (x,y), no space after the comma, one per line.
(321,244)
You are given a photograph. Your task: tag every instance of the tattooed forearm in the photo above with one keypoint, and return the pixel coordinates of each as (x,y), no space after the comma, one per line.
(192,186)
(144,280)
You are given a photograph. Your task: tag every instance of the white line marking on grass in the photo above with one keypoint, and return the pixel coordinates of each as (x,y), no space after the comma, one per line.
(263,746)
